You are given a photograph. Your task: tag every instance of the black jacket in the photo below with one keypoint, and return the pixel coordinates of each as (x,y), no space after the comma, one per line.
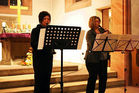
(34,41)
(92,56)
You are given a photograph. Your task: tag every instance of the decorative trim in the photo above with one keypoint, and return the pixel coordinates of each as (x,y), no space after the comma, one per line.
(7,10)
(71,5)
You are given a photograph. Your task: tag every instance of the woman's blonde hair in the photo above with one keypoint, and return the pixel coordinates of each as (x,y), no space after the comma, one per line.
(92,21)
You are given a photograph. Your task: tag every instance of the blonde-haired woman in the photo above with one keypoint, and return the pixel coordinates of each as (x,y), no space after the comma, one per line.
(96,62)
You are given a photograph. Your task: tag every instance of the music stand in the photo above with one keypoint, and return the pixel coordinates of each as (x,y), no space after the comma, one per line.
(60,37)
(127,43)
(105,42)
(111,43)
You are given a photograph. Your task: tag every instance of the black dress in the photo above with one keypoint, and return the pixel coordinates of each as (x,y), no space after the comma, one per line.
(42,63)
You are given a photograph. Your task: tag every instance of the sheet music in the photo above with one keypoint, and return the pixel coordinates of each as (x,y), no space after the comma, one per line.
(122,42)
(135,41)
(116,42)
(98,44)
(81,37)
(109,44)
(101,36)
(137,47)
(127,42)
(41,38)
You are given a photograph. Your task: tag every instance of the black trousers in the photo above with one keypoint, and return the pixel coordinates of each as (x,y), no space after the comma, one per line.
(42,65)
(94,70)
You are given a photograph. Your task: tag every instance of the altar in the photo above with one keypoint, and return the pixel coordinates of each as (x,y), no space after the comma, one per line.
(14,47)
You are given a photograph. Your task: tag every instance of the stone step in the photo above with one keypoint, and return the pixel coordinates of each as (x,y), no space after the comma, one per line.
(28,79)
(76,76)
(81,85)
(20,70)
(68,87)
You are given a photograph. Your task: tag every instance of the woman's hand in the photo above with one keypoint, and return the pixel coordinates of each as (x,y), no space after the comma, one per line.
(107,31)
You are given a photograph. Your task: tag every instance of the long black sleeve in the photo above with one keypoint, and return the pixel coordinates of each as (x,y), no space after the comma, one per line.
(34,38)
(90,40)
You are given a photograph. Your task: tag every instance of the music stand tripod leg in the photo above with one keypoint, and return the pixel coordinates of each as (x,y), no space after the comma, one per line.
(62,37)
(125,89)
(125,70)
(61,83)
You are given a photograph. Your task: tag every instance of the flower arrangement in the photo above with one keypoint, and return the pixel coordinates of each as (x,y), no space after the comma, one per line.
(28,59)
(16,28)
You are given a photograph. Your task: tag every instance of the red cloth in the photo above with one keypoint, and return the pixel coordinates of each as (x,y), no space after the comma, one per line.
(14,35)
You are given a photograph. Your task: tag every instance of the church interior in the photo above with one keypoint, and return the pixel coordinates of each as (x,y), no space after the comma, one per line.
(19,17)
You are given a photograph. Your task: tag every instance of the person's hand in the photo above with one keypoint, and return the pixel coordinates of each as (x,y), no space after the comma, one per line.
(107,31)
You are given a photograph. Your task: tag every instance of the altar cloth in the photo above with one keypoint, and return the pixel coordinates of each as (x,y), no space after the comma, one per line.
(14,35)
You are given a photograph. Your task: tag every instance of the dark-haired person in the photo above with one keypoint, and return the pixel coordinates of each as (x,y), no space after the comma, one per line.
(96,62)
(42,59)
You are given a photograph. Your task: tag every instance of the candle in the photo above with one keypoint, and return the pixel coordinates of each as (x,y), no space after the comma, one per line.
(29,26)
(18,26)
(13,26)
(24,26)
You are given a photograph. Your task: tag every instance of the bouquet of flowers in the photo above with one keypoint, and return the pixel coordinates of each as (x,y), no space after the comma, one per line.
(28,59)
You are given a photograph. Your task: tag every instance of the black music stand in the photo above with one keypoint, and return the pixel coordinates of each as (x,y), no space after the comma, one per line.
(62,37)
(126,43)
(105,43)
(111,43)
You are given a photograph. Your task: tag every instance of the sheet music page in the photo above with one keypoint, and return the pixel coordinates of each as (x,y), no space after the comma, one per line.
(124,37)
(137,47)
(116,42)
(135,41)
(81,37)
(101,36)
(110,43)
(99,42)
(113,36)
(41,38)
(122,43)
